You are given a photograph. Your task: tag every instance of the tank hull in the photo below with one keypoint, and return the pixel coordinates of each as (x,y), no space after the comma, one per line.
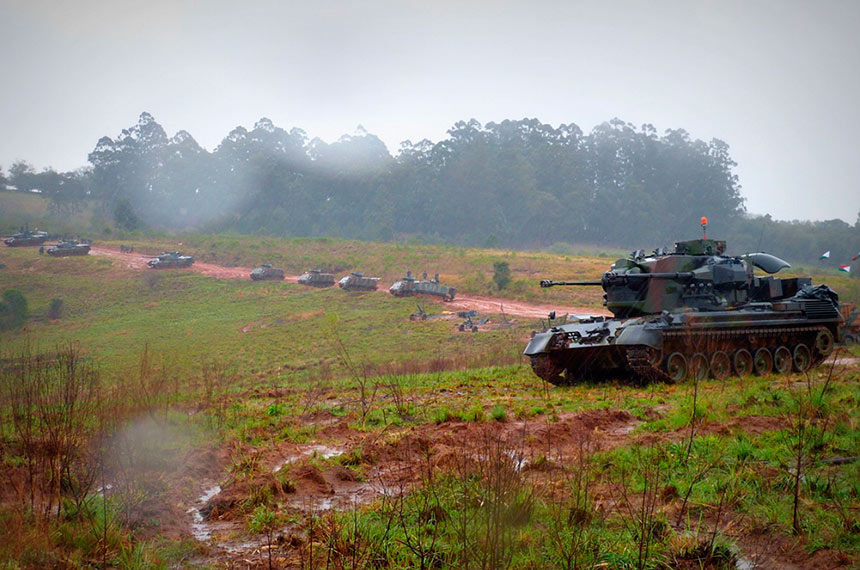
(782,337)
(80,249)
(358,283)
(25,241)
(267,274)
(408,288)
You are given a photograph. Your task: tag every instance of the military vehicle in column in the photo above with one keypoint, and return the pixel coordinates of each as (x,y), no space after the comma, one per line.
(409,286)
(26,237)
(692,312)
(170,259)
(356,281)
(67,248)
(316,278)
(267,273)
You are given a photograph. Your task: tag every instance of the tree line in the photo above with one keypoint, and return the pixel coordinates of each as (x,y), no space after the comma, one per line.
(511,184)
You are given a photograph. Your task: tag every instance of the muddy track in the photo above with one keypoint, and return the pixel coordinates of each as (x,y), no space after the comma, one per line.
(495,305)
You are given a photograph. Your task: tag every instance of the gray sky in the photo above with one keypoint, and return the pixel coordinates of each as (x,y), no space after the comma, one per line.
(777,80)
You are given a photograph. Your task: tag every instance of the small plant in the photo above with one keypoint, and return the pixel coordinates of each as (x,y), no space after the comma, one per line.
(56,309)
(264,520)
(498,413)
(443,415)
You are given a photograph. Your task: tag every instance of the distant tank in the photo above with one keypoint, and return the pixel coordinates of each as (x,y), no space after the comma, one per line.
(356,281)
(409,286)
(170,259)
(26,237)
(690,313)
(316,278)
(67,248)
(267,272)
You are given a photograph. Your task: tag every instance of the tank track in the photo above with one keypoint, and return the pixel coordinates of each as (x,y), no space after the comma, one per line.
(639,361)
(707,342)
(648,365)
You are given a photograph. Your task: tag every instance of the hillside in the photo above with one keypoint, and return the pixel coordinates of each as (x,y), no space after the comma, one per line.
(232,419)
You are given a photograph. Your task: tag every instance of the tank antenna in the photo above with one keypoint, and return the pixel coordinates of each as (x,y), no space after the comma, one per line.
(704,222)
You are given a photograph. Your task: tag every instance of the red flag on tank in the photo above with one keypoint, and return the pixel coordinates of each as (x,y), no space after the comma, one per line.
(855,257)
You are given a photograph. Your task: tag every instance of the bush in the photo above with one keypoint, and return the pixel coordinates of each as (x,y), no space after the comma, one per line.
(501,274)
(13,309)
(56,309)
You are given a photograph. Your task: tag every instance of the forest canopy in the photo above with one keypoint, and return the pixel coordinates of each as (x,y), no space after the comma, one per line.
(512,184)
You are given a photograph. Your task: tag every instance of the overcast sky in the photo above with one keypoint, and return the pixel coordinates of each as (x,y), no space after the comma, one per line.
(777,80)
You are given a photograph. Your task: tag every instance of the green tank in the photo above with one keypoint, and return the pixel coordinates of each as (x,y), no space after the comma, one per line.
(67,248)
(356,281)
(691,312)
(170,259)
(267,272)
(316,278)
(25,237)
(409,286)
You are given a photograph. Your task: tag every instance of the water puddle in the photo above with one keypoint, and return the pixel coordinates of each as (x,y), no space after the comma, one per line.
(518,458)
(200,529)
(321,451)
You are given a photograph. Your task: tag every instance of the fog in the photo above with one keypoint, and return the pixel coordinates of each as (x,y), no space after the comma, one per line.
(775,80)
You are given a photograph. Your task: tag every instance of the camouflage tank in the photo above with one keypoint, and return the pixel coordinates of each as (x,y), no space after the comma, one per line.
(267,272)
(170,259)
(67,248)
(690,313)
(25,237)
(409,286)
(356,281)
(316,278)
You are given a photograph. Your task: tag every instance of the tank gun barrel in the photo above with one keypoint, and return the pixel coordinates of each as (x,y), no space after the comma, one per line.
(610,277)
(551,283)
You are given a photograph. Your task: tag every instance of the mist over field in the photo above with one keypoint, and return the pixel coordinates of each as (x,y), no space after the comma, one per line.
(441,285)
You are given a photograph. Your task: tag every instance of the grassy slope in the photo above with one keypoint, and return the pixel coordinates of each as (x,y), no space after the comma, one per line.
(275,334)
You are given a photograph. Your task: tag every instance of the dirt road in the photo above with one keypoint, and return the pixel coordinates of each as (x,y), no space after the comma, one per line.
(461,303)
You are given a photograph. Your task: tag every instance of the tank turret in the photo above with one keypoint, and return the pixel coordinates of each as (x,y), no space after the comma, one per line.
(696,275)
(694,310)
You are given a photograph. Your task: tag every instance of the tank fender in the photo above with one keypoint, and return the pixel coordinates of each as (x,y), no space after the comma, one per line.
(640,334)
(538,343)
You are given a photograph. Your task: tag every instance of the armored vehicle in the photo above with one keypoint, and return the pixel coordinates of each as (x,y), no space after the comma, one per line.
(26,237)
(689,313)
(850,329)
(356,281)
(267,272)
(409,286)
(316,278)
(69,247)
(169,259)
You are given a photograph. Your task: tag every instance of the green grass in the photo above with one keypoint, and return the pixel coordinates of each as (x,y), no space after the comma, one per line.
(289,352)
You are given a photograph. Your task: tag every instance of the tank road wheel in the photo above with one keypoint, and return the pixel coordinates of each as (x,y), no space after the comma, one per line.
(848,339)
(676,367)
(802,358)
(654,356)
(548,370)
(742,362)
(721,366)
(782,360)
(698,366)
(762,362)
(823,343)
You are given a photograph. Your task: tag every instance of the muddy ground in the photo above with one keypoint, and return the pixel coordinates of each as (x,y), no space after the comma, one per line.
(462,302)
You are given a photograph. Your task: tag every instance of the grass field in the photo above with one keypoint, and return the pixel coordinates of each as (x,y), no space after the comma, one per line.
(328,430)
